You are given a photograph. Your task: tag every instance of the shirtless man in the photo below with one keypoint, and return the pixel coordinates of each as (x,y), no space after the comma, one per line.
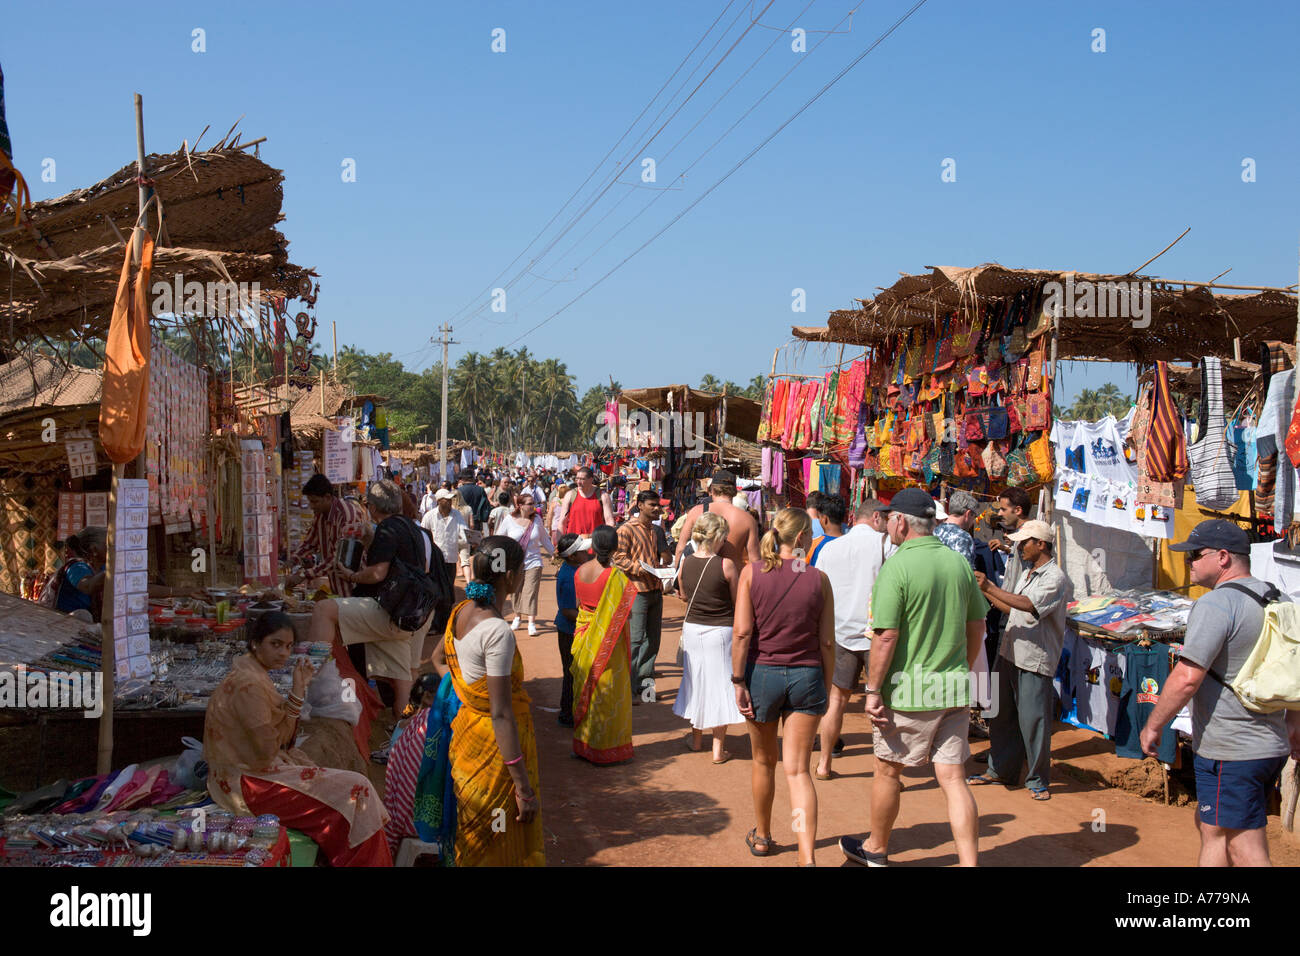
(582,517)
(742,530)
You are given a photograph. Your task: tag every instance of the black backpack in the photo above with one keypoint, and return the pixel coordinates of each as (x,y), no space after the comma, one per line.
(410,594)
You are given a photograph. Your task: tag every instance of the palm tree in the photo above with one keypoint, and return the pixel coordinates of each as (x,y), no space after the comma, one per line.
(710,384)
(757,385)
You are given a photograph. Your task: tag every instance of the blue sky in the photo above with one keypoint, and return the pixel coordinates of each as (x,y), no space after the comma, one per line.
(1065,158)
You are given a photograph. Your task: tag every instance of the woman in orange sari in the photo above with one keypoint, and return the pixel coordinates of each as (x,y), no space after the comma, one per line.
(602,657)
(248,733)
(493,747)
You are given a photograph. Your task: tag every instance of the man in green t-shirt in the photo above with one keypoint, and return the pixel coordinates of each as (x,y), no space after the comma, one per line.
(927,615)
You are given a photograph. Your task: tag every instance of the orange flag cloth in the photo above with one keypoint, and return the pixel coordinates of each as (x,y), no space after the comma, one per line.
(124,402)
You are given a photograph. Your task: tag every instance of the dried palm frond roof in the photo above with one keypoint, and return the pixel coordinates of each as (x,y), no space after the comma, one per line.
(221,199)
(743,414)
(35,380)
(1188,320)
(73,297)
(219,209)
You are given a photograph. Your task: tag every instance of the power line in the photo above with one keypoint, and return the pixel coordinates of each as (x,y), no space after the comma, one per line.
(603,159)
(625,162)
(813,99)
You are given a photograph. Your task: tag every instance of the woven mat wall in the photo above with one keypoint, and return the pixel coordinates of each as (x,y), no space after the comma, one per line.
(28,528)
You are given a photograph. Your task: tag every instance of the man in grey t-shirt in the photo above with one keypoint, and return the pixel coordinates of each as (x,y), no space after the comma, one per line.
(1239,753)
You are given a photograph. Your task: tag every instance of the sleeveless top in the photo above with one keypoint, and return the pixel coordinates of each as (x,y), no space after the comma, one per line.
(589,594)
(707,593)
(787,616)
(585,514)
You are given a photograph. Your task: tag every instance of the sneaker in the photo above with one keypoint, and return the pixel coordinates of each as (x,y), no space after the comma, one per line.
(532,629)
(856,852)
(514,625)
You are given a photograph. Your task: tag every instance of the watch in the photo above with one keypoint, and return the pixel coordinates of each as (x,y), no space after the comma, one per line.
(737,680)
(871,690)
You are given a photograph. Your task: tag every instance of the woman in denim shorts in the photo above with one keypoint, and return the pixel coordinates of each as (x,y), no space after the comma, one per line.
(784,646)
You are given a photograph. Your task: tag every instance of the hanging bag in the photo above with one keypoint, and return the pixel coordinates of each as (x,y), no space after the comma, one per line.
(1216,486)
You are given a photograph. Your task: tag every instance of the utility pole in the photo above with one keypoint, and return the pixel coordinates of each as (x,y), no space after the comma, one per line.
(445,329)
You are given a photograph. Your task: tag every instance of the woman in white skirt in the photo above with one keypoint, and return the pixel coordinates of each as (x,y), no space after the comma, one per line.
(707,583)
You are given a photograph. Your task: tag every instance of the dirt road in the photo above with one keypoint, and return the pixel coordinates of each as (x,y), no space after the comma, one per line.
(671,807)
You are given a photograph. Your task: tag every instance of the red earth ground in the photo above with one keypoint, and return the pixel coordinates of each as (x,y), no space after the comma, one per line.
(671,807)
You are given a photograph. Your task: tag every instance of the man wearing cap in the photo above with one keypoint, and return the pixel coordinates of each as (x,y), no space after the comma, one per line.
(741,545)
(1020,725)
(447,526)
(1239,753)
(927,620)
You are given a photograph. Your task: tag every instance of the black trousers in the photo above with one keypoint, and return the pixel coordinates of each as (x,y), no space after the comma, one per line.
(566,679)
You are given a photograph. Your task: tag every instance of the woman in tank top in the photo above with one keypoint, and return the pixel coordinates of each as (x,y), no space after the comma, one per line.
(782,657)
(707,583)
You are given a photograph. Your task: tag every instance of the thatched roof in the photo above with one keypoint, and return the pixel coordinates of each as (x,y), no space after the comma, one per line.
(1187,320)
(219,209)
(35,380)
(743,414)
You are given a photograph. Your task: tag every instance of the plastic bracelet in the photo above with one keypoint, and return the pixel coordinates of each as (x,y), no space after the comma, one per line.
(511,763)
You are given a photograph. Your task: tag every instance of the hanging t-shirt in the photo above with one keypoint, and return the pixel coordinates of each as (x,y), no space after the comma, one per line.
(1119,506)
(1244,455)
(1069,453)
(1154,521)
(1065,484)
(1104,450)
(1277,568)
(1097,673)
(1082,496)
(1145,671)
(1099,502)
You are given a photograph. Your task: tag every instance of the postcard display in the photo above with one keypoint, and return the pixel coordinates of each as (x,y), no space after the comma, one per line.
(175,440)
(131,579)
(300,514)
(79,510)
(260,532)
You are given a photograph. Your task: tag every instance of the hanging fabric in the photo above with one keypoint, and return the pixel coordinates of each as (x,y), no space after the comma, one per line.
(124,402)
(1166,451)
(1216,487)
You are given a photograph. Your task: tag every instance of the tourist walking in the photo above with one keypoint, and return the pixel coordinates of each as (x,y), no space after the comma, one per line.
(447,527)
(851,563)
(707,582)
(493,745)
(927,619)
(585,507)
(602,658)
(782,657)
(1239,752)
(523,525)
(741,545)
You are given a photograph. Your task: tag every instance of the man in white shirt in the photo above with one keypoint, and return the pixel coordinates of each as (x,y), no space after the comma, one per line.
(851,562)
(447,526)
(428,502)
(530,488)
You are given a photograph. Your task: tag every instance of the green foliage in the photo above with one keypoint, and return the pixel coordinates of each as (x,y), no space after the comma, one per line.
(1094,404)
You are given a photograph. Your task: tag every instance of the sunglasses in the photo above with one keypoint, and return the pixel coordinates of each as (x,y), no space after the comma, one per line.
(1194,556)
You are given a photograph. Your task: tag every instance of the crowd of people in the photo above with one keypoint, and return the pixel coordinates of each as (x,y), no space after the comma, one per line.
(782,626)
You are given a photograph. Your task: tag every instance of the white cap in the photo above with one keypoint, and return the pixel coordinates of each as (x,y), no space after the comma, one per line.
(444,493)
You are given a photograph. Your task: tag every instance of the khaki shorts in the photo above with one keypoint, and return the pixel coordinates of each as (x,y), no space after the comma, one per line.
(918,737)
(525,599)
(390,651)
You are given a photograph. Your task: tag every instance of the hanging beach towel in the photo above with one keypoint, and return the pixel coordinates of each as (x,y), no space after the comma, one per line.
(1216,486)
(124,403)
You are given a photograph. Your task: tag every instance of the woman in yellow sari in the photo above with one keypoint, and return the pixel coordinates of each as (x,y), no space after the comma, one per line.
(602,657)
(493,746)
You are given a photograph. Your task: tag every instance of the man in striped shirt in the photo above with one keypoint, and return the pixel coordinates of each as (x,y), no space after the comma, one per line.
(334,520)
(637,542)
